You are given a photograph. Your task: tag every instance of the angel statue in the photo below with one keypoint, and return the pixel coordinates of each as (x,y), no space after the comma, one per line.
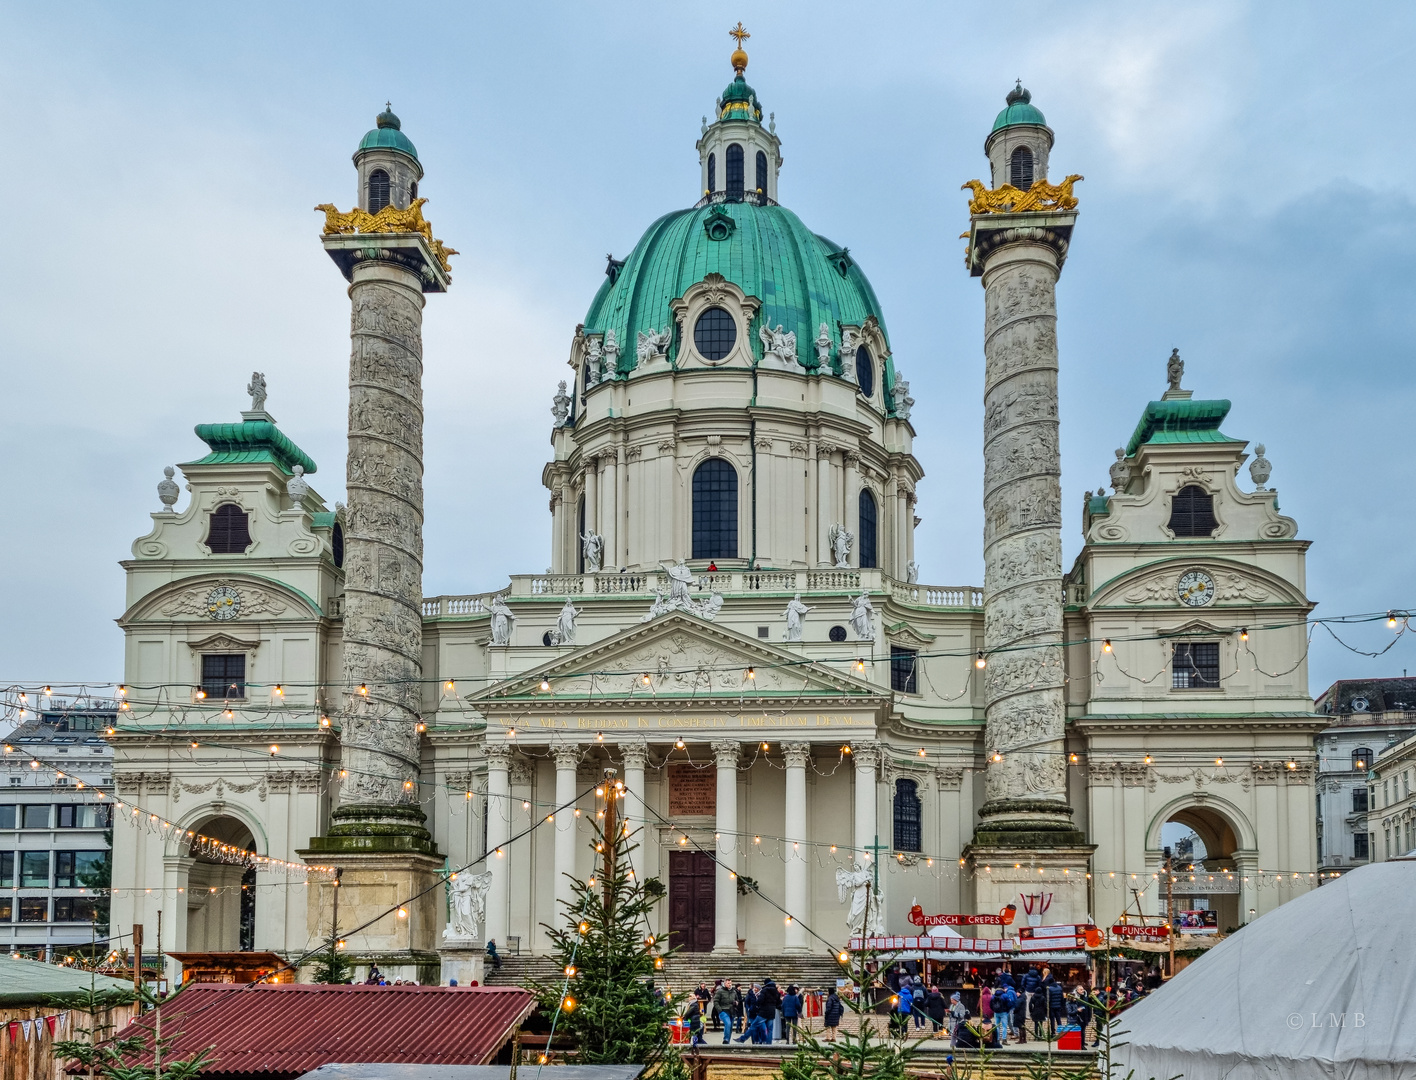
(593,545)
(1174,369)
(862,613)
(795,610)
(780,343)
(652,343)
(863,918)
(503,621)
(469,905)
(840,540)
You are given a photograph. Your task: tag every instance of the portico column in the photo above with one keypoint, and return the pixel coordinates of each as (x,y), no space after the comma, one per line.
(592,498)
(635,753)
(865,753)
(567,757)
(797,756)
(498,812)
(851,514)
(725,755)
(609,517)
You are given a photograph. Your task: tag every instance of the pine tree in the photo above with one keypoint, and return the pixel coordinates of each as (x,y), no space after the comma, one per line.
(121,1058)
(609,955)
(853,1055)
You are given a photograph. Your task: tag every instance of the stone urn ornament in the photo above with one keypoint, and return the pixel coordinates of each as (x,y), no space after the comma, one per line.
(297,487)
(1260,468)
(167,490)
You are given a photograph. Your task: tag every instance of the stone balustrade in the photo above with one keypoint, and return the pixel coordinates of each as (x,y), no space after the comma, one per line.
(727,583)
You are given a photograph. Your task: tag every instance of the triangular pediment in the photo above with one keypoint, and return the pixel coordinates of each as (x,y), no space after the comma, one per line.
(682,657)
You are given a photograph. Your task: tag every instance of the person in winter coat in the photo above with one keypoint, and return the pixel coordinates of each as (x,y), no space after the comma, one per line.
(904,1005)
(1003,1000)
(985,1003)
(721,1006)
(693,1017)
(791,1013)
(1056,1005)
(958,1020)
(1037,1009)
(769,1000)
(917,997)
(831,1013)
(936,1007)
(739,1009)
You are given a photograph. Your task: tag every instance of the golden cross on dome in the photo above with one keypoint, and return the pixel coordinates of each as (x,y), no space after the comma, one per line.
(739,32)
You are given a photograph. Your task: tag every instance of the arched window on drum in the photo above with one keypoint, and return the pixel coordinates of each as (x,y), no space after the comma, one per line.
(715,510)
(869,530)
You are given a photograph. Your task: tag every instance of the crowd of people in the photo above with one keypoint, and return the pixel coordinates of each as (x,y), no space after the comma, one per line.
(754,1016)
(1010,1009)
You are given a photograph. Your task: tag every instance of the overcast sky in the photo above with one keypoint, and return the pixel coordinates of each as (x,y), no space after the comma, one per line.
(1248,198)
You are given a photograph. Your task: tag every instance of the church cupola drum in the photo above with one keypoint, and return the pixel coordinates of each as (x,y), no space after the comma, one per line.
(387,252)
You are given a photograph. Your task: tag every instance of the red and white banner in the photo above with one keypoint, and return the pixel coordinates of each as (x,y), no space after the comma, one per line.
(996,946)
(917,917)
(1148,933)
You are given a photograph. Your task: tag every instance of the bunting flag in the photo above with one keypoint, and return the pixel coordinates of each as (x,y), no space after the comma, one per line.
(14,1031)
(51,1021)
(28,1024)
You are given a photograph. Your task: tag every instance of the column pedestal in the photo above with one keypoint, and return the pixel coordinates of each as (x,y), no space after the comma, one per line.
(996,882)
(464,960)
(372,884)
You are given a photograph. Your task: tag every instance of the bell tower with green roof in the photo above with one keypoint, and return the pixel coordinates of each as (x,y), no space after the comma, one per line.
(739,156)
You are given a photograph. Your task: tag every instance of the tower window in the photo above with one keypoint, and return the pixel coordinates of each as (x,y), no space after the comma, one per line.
(761,182)
(712,172)
(714,334)
(1195,665)
(735,171)
(336,542)
(229,531)
(413,190)
(907,816)
(224,675)
(1192,512)
(1361,759)
(715,510)
(379,191)
(1020,168)
(865,371)
(869,530)
(904,674)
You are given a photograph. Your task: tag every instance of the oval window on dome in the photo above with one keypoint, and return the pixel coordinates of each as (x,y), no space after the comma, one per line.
(865,371)
(714,334)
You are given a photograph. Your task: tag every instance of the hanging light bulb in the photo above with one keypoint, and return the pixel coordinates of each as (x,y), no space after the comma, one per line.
(997,756)
(403,913)
(1106,645)
(421,727)
(324,721)
(47,691)
(860,664)
(545,685)
(570,971)
(1243,633)
(765,748)
(843,956)
(123,690)
(599,736)
(448,686)
(751,674)
(922,753)
(644,678)
(194,745)
(679,742)
(1219,762)
(511,733)
(279,690)
(274,749)
(1073,758)
(408,785)
(979,661)
(201,694)
(1148,759)
(1391,622)
(364,689)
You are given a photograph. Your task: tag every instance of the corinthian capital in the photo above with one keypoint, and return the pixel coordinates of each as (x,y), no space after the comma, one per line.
(498,755)
(797,754)
(866,753)
(567,755)
(635,753)
(726,753)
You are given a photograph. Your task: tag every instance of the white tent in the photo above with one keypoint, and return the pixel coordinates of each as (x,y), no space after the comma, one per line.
(1323,987)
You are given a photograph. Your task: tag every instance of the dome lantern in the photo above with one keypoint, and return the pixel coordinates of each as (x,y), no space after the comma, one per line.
(388,165)
(738,157)
(1020,141)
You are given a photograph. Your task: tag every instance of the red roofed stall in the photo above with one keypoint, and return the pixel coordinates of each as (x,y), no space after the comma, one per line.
(280,1032)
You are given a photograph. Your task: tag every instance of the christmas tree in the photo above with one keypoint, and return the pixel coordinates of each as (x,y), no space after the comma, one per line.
(609,955)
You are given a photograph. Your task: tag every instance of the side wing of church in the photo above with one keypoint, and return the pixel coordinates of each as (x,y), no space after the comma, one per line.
(733,625)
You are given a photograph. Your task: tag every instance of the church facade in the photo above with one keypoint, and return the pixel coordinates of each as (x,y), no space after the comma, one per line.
(733,625)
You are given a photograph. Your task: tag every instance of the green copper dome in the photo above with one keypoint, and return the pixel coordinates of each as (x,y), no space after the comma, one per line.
(388,136)
(1019,110)
(802,279)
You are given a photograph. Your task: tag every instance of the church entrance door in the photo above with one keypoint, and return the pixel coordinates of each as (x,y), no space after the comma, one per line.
(691,900)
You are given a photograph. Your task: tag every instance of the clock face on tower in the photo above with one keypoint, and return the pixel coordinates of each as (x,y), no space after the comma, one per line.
(1195,588)
(223,603)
